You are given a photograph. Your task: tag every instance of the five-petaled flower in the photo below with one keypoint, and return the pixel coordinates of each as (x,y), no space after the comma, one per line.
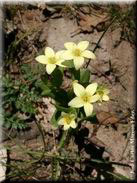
(84,97)
(51,59)
(67,120)
(77,53)
(103,93)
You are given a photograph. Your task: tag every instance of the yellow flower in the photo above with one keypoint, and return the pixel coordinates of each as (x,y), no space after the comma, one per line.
(77,53)
(103,93)
(68,120)
(51,59)
(84,97)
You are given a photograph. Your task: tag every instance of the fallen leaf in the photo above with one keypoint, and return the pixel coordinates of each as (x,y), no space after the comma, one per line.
(88,22)
(106,118)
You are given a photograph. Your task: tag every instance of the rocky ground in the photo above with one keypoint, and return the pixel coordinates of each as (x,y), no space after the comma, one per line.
(48,25)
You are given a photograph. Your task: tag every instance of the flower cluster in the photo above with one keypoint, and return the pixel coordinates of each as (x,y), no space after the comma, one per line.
(84,97)
(74,52)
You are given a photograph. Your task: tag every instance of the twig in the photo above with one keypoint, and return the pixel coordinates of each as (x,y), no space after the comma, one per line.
(102,74)
(101,39)
(44,143)
(125,146)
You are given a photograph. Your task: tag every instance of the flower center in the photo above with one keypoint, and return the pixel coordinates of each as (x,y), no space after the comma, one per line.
(101,93)
(86,97)
(52,60)
(67,119)
(77,52)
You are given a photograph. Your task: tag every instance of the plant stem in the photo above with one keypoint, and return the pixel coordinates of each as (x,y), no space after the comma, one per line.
(43,139)
(55,161)
(62,140)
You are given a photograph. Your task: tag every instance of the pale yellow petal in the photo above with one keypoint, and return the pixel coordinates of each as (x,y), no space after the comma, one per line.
(59,60)
(49,52)
(88,54)
(73,124)
(76,102)
(61,121)
(70,45)
(67,55)
(78,89)
(50,68)
(78,62)
(73,116)
(92,88)
(63,113)
(41,59)
(95,98)
(66,127)
(83,45)
(59,54)
(106,91)
(105,97)
(88,108)
(74,82)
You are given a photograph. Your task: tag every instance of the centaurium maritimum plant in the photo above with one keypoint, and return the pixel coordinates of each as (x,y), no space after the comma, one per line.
(83,94)
(85,97)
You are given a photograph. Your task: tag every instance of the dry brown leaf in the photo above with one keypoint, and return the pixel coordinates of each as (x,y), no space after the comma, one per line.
(87,22)
(106,118)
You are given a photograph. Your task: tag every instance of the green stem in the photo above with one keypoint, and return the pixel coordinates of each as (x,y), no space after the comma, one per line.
(55,160)
(62,140)
(43,139)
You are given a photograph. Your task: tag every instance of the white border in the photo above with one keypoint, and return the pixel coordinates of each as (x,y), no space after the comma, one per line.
(1,47)
(68,1)
(1,53)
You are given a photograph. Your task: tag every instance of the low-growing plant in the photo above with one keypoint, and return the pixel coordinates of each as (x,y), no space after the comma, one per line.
(125,20)
(76,104)
(82,94)
(19,98)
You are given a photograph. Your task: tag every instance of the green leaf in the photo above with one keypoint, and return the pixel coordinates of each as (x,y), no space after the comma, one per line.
(44,78)
(61,97)
(84,76)
(55,117)
(67,110)
(57,78)
(68,63)
(60,108)
(93,119)
(75,74)
(7,124)
(46,91)
(73,111)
